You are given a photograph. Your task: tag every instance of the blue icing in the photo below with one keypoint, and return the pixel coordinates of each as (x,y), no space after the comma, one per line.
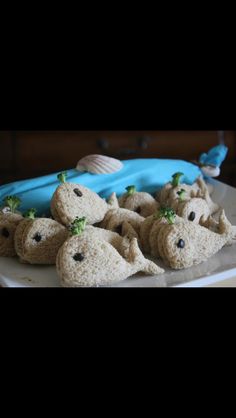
(146,174)
(215,156)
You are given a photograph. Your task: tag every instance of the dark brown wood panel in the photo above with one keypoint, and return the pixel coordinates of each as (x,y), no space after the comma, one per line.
(6,151)
(28,154)
(51,150)
(69,145)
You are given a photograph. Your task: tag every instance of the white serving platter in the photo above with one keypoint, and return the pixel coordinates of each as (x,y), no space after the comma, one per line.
(217,269)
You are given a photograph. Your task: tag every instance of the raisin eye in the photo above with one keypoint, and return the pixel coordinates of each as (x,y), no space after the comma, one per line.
(5,232)
(78,192)
(192,216)
(37,237)
(138,210)
(181,243)
(118,229)
(78,257)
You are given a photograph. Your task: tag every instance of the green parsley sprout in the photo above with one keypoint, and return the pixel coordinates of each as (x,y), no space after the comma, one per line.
(30,213)
(167,213)
(181,194)
(78,226)
(13,202)
(62,176)
(130,190)
(176,179)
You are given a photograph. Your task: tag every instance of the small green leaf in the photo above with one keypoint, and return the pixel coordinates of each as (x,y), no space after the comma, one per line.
(181,194)
(167,213)
(13,202)
(62,176)
(78,226)
(130,190)
(30,213)
(176,179)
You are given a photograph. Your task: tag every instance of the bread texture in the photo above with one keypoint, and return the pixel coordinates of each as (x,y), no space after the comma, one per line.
(170,196)
(193,209)
(8,225)
(18,238)
(140,202)
(41,240)
(199,244)
(90,261)
(74,200)
(115,218)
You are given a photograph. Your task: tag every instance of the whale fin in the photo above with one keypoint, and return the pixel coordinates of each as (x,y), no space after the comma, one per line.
(222,227)
(226,228)
(135,256)
(204,193)
(128,230)
(113,201)
(209,223)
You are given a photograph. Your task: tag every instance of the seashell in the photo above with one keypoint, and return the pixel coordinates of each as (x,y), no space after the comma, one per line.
(5,209)
(99,164)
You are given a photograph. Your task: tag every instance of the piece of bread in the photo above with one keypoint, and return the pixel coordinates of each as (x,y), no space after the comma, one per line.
(8,225)
(187,244)
(140,202)
(41,240)
(90,261)
(193,210)
(18,242)
(115,218)
(74,200)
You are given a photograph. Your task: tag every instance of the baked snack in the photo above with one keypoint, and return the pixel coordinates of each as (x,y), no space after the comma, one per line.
(140,202)
(9,219)
(193,209)
(102,234)
(41,240)
(119,242)
(72,200)
(18,243)
(186,244)
(90,261)
(94,256)
(115,218)
(151,227)
(8,225)
(174,195)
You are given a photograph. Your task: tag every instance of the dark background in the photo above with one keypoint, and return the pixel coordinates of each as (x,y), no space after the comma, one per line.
(26,154)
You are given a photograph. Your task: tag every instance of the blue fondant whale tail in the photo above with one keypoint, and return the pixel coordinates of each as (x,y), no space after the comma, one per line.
(215,156)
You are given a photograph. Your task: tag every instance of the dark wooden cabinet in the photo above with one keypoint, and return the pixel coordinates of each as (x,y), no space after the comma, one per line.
(25,154)
(6,151)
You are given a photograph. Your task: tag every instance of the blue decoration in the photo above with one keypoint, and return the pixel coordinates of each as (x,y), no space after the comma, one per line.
(148,174)
(215,156)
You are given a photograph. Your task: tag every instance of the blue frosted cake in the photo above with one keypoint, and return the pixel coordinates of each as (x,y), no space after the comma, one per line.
(146,174)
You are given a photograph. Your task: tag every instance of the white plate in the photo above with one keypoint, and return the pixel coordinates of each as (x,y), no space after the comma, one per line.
(221,266)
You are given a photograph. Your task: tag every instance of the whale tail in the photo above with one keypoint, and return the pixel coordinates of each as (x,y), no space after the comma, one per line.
(209,223)
(134,256)
(227,229)
(204,193)
(223,227)
(128,230)
(113,201)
